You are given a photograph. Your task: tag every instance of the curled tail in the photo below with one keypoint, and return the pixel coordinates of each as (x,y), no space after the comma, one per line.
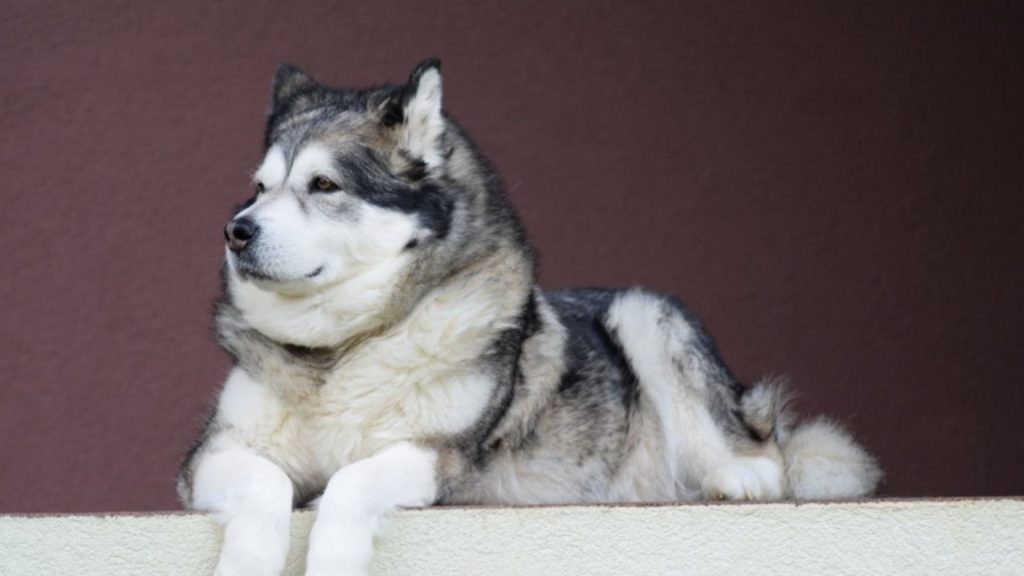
(820,458)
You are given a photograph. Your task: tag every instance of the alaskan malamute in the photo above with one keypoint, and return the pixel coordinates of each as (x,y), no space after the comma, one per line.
(392,349)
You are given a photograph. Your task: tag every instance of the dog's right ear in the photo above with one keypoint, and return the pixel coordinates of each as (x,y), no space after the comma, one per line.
(414,112)
(288,82)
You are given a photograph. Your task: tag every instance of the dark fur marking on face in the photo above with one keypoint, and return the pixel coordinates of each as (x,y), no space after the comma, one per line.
(314,96)
(365,176)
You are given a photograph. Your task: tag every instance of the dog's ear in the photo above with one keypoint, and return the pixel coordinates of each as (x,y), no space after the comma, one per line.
(288,82)
(415,110)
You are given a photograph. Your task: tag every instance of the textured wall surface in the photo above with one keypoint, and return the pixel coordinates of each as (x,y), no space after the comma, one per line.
(892,538)
(835,187)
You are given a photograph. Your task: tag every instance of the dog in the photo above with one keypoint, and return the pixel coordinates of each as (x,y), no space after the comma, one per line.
(392,349)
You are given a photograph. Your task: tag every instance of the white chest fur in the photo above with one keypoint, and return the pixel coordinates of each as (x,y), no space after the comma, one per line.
(364,408)
(421,379)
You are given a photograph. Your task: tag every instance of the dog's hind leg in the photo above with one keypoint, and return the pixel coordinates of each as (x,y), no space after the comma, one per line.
(695,401)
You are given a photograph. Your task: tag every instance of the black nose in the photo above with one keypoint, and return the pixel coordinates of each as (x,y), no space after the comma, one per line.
(240,232)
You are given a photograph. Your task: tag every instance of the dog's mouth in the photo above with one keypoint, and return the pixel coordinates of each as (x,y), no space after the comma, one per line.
(249,270)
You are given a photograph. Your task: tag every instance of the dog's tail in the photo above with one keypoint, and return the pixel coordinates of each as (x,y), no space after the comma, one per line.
(821,459)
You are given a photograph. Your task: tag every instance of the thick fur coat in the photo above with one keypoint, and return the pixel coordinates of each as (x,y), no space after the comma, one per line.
(392,349)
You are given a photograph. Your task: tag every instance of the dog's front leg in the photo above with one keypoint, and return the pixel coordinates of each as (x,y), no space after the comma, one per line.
(253,498)
(356,497)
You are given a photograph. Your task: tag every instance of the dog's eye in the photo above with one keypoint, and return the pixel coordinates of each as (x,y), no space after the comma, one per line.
(260,187)
(321,184)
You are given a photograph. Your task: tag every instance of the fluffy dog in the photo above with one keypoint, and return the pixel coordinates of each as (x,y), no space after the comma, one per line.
(392,348)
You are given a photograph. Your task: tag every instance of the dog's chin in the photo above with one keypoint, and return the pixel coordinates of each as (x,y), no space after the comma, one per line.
(274,281)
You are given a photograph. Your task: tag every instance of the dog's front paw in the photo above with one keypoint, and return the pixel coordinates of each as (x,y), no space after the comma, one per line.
(253,547)
(250,561)
(745,479)
(336,549)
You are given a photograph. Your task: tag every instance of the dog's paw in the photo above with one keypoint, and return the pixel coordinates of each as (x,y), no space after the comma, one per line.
(253,547)
(744,479)
(250,561)
(339,548)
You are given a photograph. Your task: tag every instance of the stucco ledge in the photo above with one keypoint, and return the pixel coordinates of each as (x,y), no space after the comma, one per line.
(963,536)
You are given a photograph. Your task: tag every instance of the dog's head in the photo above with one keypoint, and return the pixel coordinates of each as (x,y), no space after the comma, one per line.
(344,184)
(358,190)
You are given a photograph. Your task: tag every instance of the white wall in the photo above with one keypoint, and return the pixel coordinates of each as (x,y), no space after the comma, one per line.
(957,537)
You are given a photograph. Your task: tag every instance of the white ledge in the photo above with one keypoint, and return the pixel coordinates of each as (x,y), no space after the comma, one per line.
(963,537)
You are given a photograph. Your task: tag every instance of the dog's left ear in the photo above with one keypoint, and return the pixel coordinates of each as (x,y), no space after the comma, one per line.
(416,111)
(289,81)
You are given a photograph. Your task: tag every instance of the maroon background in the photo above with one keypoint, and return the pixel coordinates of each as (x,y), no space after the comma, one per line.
(834,186)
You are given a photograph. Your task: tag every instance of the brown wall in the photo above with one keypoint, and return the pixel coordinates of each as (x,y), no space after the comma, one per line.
(835,187)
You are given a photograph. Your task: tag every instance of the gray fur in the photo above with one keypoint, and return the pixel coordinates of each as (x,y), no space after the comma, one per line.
(570,416)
